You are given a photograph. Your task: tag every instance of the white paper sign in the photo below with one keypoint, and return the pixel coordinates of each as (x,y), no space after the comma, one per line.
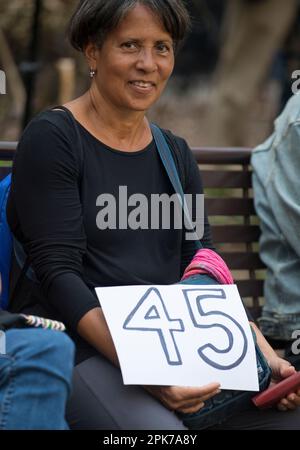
(182,335)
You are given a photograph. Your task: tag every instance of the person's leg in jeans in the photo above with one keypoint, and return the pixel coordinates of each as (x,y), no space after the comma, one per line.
(35,375)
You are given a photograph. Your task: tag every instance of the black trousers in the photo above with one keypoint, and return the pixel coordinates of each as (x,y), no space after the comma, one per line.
(100,401)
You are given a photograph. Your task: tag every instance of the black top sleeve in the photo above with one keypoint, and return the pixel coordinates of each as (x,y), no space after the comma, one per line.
(45,189)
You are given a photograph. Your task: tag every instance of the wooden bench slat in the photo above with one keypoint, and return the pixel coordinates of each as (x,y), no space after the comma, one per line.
(7,150)
(8,145)
(229,206)
(235,233)
(212,155)
(243,260)
(226,179)
(250,288)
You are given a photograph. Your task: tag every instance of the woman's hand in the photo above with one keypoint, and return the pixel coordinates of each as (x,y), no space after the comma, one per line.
(184,399)
(282,369)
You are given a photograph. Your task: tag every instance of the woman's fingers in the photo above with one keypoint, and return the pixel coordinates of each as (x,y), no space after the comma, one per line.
(192,409)
(292,401)
(206,397)
(182,398)
(191,393)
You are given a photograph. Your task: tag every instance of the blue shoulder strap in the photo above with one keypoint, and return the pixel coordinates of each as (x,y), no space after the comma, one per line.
(23,261)
(169,164)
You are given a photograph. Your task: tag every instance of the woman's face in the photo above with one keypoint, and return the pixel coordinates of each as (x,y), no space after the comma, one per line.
(135,61)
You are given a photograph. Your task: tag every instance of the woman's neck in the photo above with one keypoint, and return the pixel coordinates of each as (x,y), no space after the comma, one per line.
(120,129)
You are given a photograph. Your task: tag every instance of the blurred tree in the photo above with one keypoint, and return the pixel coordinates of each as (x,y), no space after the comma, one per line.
(16,20)
(16,23)
(254,31)
(200,53)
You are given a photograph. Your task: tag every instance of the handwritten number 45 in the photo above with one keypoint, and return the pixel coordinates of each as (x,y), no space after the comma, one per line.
(151,315)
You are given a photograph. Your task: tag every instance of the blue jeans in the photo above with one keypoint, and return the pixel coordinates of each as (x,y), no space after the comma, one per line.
(35,376)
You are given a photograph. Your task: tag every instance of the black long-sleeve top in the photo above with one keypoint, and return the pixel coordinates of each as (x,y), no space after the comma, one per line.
(54,207)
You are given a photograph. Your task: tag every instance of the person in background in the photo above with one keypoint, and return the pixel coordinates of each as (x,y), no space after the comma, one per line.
(54,211)
(35,377)
(276,186)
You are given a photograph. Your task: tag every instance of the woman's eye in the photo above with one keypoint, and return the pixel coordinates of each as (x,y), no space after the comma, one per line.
(129,45)
(162,48)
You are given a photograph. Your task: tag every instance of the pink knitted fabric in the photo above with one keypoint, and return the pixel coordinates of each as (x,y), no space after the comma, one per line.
(210,263)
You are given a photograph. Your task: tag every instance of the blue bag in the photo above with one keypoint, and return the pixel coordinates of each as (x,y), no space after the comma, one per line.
(220,408)
(6,242)
(9,247)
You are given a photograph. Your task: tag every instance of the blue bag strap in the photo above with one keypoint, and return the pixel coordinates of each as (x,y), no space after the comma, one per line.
(23,261)
(169,164)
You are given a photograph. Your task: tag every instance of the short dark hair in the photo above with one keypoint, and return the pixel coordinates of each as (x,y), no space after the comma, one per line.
(93,20)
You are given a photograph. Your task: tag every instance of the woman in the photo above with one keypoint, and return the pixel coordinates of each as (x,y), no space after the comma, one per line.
(129,47)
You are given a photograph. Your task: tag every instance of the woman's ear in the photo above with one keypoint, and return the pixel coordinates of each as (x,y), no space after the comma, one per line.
(90,52)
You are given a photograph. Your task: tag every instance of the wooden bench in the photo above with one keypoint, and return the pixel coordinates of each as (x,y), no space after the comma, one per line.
(226,176)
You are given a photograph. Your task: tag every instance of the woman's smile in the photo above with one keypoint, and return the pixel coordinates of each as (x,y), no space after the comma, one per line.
(142,87)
